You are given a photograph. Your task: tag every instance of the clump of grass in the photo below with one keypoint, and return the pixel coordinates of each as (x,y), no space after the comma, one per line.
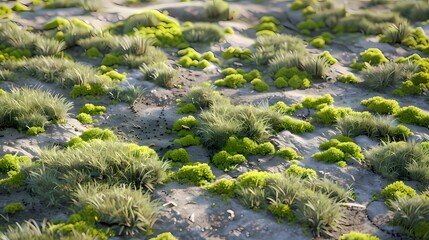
(387,75)
(204,97)
(268,46)
(377,127)
(48,47)
(96,160)
(414,11)
(61,71)
(127,209)
(23,108)
(317,66)
(400,160)
(129,94)
(412,214)
(216,9)
(102,43)
(134,22)
(161,74)
(396,33)
(203,33)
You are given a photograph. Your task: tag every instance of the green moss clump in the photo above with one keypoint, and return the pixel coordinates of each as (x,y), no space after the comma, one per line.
(373,56)
(92,134)
(328,57)
(413,115)
(254,178)
(195,174)
(254,74)
(281,211)
(247,146)
(294,125)
(188,108)
(93,53)
(188,122)
(259,85)
(19,7)
(35,131)
(13,208)
(318,103)
(281,83)
(112,59)
(84,118)
(95,89)
(349,78)
(285,109)
(295,78)
(318,42)
(381,105)
(232,52)
(289,154)
(397,189)
(225,161)
(229,71)
(330,115)
(92,109)
(232,81)
(5,11)
(203,64)
(177,155)
(301,171)
(358,236)
(330,156)
(188,140)
(223,187)
(164,236)
(209,56)
(14,180)
(56,23)
(13,163)
(310,25)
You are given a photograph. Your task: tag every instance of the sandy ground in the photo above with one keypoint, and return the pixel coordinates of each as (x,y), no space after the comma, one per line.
(190,212)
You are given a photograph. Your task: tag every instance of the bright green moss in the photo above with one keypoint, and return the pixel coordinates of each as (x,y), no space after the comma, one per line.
(14,180)
(358,236)
(5,11)
(185,122)
(185,61)
(209,56)
(254,74)
(350,149)
(381,105)
(281,83)
(259,85)
(164,236)
(294,125)
(412,115)
(281,211)
(225,161)
(285,109)
(13,208)
(299,83)
(143,151)
(195,174)
(288,154)
(112,59)
(373,56)
(19,7)
(11,162)
(87,90)
(309,25)
(310,102)
(56,23)
(318,42)
(397,189)
(229,71)
(245,146)
(349,78)
(223,187)
(266,148)
(35,131)
(92,109)
(330,156)
(328,57)
(93,53)
(81,24)
(187,109)
(92,134)
(301,171)
(203,64)
(177,155)
(330,115)
(188,140)
(232,81)
(84,118)
(254,178)
(408,88)
(232,52)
